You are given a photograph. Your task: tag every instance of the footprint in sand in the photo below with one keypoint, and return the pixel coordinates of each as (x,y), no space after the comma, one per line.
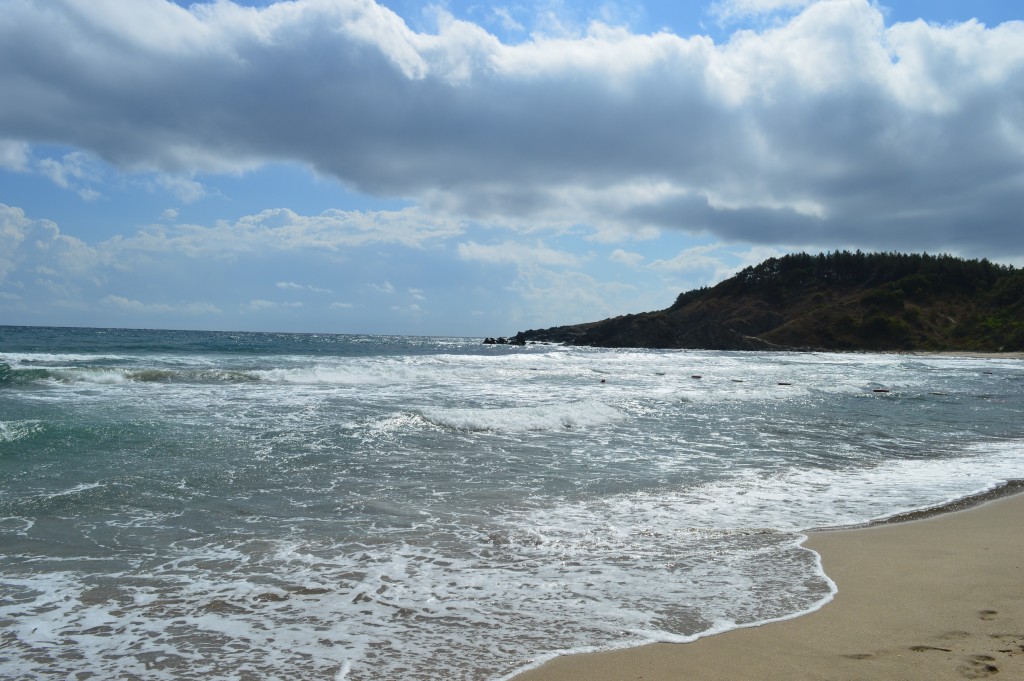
(1014,641)
(987,615)
(979,667)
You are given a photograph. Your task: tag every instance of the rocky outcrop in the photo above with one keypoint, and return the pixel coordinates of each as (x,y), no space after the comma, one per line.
(501,340)
(835,301)
(649,331)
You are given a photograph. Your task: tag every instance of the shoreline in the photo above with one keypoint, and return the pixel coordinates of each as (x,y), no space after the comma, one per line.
(924,595)
(1007,489)
(965,354)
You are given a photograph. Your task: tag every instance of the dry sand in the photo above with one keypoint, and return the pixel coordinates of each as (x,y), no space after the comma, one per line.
(933,599)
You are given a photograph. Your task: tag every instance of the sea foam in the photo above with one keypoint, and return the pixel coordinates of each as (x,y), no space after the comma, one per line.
(286,506)
(547,417)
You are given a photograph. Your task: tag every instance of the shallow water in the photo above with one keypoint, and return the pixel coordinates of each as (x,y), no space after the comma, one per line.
(193,504)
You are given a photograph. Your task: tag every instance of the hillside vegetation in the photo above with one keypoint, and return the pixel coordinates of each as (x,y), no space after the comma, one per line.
(830,301)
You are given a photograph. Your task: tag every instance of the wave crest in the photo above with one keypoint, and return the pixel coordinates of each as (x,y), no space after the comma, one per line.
(13,431)
(546,417)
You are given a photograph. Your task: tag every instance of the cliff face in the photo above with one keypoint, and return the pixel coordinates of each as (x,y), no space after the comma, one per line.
(835,301)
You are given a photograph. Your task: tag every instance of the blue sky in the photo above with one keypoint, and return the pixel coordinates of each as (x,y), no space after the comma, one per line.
(474,168)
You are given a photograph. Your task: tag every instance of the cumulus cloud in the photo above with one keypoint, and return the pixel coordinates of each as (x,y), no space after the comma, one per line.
(38,246)
(14,227)
(827,127)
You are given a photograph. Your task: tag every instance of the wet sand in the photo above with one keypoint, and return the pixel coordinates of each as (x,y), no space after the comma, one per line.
(934,598)
(968,354)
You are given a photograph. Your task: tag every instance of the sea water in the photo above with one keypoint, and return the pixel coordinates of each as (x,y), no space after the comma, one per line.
(196,505)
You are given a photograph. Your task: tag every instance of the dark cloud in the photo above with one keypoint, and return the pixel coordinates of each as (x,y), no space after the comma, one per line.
(829,130)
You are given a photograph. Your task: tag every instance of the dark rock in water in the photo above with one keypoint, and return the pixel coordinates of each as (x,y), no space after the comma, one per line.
(501,340)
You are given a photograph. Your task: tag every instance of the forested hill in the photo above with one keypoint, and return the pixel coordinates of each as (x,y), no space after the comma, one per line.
(830,301)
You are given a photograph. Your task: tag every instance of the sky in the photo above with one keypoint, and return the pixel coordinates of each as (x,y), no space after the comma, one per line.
(475,168)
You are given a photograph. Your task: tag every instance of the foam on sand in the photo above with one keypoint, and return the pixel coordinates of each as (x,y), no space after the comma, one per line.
(932,599)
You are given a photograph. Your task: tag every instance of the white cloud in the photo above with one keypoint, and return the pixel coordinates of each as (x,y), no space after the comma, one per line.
(292,286)
(827,126)
(39,246)
(136,306)
(732,10)
(259,305)
(626,258)
(755,256)
(74,171)
(14,227)
(711,263)
(283,230)
(515,253)
(554,297)
(14,155)
(340,306)
(505,18)
(696,258)
(38,249)
(186,190)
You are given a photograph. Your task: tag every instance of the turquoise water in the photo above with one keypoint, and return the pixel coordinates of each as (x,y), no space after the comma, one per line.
(187,505)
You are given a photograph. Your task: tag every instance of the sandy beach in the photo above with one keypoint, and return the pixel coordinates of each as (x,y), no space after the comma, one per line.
(938,598)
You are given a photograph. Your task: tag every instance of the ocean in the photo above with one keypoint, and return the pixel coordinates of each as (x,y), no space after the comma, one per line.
(199,505)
